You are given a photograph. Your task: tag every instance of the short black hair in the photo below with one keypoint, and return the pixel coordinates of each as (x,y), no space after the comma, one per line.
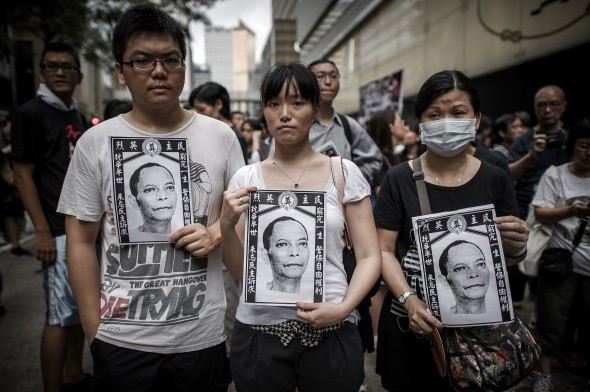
(254,123)
(444,257)
(209,93)
(322,61)
(485,122)
(135,176)
(292,74)
(441,83)
(145,18)
(524,116)
(501,124)
(268,231)
(60,47)
(580,130)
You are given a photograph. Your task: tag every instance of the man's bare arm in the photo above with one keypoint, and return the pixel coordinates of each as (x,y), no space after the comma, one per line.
(83,271)
(23,179)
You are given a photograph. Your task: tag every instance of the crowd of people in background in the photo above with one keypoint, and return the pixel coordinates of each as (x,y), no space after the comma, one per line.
(518,165)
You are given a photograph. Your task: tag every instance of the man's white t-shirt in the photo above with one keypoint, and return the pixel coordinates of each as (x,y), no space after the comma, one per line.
(154,297)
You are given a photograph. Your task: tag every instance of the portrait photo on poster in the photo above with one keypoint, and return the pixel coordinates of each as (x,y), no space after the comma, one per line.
(151,182)
(284,248)
(463,267)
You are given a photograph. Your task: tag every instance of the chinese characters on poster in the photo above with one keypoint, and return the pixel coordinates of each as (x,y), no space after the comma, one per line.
(284,247)
(463,268)
(151,183)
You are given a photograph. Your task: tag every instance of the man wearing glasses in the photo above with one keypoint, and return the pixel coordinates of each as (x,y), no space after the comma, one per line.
(44,133)
(336,134)
(538,148)
(153,312)
(531,153)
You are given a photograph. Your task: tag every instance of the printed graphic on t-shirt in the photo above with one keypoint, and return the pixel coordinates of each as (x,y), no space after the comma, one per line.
(152,188)
(72,135)
(463,267)
(151,284)
(284,248)
(201,188)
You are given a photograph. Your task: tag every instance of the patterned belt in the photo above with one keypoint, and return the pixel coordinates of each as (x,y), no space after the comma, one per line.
(289,330)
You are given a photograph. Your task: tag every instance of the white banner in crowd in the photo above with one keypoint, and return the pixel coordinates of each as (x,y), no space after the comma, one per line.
(382,94)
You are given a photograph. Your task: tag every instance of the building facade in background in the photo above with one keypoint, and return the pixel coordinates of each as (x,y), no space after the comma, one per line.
(244,47)
(219,55)
(282,40)
(509,48)
(230,60)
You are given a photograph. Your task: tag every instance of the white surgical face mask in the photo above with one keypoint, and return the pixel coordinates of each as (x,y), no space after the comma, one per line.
(448,136)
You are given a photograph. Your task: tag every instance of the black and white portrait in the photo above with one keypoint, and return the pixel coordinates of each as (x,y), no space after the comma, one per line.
(154,194)
(463,267)
(284,248)
(152,188)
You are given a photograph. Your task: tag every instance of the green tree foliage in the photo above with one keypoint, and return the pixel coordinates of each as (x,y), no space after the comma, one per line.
(84,24)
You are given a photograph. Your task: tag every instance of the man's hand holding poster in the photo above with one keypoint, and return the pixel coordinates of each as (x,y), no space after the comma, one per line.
(463,267)
(284,248)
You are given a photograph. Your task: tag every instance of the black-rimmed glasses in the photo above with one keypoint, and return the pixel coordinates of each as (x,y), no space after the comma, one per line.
(552,104)
(146,64)
(66,67)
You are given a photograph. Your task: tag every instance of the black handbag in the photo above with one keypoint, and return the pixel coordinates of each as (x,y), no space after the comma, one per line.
(558,261)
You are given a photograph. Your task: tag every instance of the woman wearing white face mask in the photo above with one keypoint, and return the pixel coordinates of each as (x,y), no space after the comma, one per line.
(449,109)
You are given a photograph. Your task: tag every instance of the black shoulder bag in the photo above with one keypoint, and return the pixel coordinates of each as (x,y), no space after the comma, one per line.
(558,262)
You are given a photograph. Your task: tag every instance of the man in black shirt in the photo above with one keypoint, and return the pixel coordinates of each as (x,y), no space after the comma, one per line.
(44,134)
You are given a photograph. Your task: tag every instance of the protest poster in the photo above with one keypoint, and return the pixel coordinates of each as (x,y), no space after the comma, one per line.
(463,267)
(382,94)
(152,189)
(284,247)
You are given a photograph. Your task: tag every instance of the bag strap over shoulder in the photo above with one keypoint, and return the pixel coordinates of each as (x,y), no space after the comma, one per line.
(338,178)
(421,186)
(436,344)
(580,233)
(346,126)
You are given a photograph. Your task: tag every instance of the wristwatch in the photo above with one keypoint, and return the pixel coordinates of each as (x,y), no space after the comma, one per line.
(404,296)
